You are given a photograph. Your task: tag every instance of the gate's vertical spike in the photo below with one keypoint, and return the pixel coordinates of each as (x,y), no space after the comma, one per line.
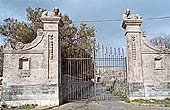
(77,65)
(98,46)
(106,50)
(115,51)
(102,51)
(68,76)
(118,51)
(70,84)
(115,55)
(83,65)
(123,52)
(71,72)
(109,60)
(105,57)
(86,73)
(80,76)
(111,51)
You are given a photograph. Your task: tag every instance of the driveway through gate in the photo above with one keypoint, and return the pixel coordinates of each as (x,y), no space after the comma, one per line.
(97,76)
(110,66)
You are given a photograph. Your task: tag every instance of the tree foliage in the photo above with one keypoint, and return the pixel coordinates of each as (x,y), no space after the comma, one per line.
(165,40)
(76,41)
(73,38)
(18,31)
(15,30)
(34,15)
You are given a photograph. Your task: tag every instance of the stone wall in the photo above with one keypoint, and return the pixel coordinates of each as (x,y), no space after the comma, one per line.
(148,67)
(31,72)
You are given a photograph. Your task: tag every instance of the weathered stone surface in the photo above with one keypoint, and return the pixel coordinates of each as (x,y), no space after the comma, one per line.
(32,71)
(148,65)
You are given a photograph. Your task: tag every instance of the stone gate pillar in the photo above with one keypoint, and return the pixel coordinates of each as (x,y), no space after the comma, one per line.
(32,71)
(51,21)
(131,24)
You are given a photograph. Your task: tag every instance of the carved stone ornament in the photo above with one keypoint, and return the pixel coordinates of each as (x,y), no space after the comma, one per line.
(161,46)
(7,45)
(144,34)
(40,32)
(128,15)
(19,46)
(56,12)
(24,74)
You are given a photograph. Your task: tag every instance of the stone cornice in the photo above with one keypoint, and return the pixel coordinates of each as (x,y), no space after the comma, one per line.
(131,22)
(23,52)
(50,20)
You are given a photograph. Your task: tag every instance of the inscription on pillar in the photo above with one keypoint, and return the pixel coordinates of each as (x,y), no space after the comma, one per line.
(50,46)
(134,47)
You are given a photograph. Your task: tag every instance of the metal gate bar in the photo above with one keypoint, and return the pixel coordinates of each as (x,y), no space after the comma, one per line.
(96,77)
(77,75)
(111,70)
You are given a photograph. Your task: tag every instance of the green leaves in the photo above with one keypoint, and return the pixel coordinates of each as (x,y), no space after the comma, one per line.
(162,40)
(15,30)
(34,15)
(76,40)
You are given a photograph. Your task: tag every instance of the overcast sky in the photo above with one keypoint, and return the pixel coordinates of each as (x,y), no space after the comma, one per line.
(107,33)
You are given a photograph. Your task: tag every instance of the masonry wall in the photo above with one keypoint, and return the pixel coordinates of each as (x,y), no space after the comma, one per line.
(148,67)
(155,72)
(31,73)
(156,69)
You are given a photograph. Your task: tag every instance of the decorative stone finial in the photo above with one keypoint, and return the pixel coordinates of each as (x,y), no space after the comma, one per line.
(128,15)
(131,20)
(144,34)
(57,12)
(7,46)
(50,15)
(162,46)
(40,32)
(19,46)
(45,13)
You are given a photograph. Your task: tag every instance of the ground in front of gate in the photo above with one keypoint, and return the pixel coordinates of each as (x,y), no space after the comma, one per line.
(105,105)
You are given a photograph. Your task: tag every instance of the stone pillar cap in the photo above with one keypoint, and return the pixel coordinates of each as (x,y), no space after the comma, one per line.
(131,19)
(131,22)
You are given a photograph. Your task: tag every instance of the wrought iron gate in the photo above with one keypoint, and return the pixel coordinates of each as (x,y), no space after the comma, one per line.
(97,76)
(110,74)
(78,76)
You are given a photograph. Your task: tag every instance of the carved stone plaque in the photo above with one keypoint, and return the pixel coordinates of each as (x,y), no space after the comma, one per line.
(24,74)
